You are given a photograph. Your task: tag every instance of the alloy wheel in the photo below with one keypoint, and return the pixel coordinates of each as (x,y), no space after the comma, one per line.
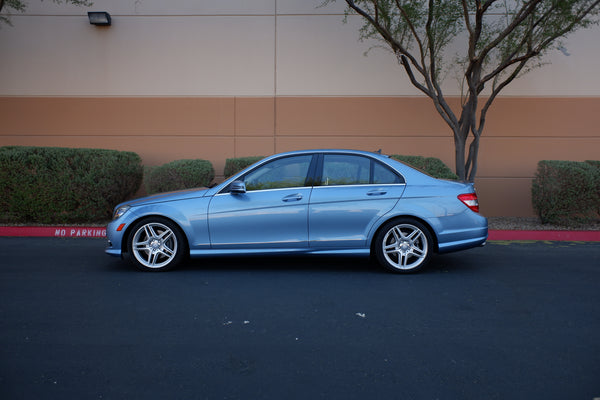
(154,245)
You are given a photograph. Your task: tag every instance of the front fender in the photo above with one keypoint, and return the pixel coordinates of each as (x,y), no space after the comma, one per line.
(195,228)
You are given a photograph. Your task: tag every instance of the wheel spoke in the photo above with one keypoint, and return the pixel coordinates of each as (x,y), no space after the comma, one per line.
(165,235)
(153,257)
(418,252)
(402,259)
(414,233)
(398,235)
(142,242)
(149,231)
(167,252)
(390,248)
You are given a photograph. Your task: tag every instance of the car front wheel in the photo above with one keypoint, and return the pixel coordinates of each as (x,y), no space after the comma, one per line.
(403,245)
(156,244)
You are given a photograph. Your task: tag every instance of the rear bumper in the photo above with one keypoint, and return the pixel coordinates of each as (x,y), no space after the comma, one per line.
(465,239)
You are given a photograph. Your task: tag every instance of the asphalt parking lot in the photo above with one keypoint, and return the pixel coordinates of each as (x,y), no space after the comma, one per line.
(510,320)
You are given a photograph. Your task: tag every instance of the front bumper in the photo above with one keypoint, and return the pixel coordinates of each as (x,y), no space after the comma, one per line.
(115,237)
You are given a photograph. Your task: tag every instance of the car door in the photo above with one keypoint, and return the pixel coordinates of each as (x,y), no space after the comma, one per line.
(354,192)
(272,212)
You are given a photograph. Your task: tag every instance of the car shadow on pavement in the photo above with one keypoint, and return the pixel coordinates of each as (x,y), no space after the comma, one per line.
(447,263)
(277,263)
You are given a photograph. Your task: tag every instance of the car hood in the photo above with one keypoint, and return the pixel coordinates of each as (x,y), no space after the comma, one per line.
(168,196)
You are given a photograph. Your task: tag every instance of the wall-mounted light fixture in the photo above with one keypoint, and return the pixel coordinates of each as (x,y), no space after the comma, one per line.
(99,18)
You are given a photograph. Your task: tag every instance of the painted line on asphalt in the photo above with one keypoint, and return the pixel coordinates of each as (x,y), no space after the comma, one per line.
(100,232)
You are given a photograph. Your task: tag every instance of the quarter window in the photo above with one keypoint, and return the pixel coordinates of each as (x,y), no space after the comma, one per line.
(384,175)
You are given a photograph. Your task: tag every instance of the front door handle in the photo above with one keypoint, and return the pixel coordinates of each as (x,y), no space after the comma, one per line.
(293,197)
(376,192)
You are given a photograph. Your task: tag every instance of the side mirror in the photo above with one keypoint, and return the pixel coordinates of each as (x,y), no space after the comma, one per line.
(237,187)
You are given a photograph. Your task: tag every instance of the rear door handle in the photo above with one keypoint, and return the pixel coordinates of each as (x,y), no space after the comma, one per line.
(292,197)
(376,192)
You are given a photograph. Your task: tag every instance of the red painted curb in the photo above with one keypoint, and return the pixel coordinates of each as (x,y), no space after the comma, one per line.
(100,232)
(572,236)
(53,231)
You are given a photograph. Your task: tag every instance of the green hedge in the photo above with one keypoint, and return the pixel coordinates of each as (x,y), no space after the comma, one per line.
(64,185)
(178,175)
(596,165)
(235,165)
(566,192)
(431,165)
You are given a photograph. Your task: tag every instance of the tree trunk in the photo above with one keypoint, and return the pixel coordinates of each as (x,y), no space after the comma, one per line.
(471,169)
(459,156)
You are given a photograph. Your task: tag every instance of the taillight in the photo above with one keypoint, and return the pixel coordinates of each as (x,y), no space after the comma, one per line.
(470,200)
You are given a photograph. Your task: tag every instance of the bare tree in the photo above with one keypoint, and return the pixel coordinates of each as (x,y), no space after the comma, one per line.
(499,40)
(21,6)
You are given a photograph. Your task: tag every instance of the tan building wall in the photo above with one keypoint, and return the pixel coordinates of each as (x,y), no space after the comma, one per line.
(520,131)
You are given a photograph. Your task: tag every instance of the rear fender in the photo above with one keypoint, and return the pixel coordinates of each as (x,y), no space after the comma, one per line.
(392,216)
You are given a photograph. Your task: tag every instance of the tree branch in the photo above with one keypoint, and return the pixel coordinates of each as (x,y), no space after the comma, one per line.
(396,47)
(430,42)
(496,91)
(406,64)
(412,28)
(465,7)
(524,12)
(439,100)
(440,104)
(510,60)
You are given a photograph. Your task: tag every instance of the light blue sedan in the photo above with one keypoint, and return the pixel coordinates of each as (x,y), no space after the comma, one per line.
(328,202)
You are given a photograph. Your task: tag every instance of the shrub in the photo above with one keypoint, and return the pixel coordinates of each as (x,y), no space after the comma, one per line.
(179,175)
(566,192)
(65,185)
(596,165)
(235,165)
(431,165)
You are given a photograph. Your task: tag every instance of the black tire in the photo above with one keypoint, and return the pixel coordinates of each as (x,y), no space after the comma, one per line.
(403,245)
(156,244)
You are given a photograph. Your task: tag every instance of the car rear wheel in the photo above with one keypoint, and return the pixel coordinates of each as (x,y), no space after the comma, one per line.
(156,244)
(403,245)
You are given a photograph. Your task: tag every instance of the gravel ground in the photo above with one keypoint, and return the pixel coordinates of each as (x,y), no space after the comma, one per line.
(533,223)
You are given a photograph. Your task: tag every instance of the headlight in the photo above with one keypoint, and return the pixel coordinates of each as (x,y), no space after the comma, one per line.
(120,211)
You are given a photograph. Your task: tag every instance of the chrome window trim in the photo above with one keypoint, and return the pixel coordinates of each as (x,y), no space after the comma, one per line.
(360,185)
(221,193)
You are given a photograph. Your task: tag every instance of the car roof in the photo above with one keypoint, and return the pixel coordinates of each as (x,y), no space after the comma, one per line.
(334,151)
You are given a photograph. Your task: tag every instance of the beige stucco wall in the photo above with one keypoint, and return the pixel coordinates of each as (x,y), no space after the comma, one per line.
(232,48)
(213,80)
